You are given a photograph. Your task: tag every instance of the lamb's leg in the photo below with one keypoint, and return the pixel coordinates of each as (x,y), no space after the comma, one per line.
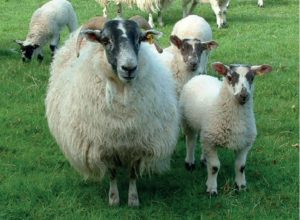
(39,52)
(216,8)
(54,43)
(160,19)
(133,197)
(113,195)
(190,143)
(240,164)
(119,12)
(104,11)
(213,167)
(260,3)
(185,10)
(193,5)
(150,20)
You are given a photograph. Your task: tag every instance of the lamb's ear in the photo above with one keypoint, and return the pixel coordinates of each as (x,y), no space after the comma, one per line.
(261,69)
(220,68)
(149,36)
(209,45)
(176,41)
(19,42)
(91,35)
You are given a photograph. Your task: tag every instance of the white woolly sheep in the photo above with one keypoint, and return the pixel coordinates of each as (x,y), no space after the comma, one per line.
(45,25)
(149,6)
(115,105)
(223,114)
(187,56)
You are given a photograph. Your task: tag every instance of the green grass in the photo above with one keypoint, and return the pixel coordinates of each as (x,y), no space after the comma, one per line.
(36,181)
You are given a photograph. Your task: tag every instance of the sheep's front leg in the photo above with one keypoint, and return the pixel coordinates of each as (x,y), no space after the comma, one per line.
(119,12)
(54,43)
(213,167)
(113,195)
(133,197)
(260,3)
(240,164)
(160,19)
(150,20)
(190,143)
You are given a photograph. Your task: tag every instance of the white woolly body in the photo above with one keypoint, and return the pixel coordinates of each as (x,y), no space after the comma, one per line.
(96,118)
(208,107)
(48,20)
(190,27)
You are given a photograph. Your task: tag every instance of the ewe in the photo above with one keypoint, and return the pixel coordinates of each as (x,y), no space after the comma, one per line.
(222,111)
(115,105)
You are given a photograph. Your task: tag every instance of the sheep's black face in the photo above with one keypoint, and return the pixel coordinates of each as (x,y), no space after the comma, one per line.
(27,50)
(191,50)
(121,39)
(240,78)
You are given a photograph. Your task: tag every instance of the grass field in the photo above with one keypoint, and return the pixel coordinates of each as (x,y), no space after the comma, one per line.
(36,181)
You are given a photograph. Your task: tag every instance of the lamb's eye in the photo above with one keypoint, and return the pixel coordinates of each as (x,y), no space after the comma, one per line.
(105,41)
(229,78)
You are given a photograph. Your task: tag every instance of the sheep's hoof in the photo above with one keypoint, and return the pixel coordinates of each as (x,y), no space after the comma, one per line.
(241,187)
(133,201)
(190,166)
(212,193)
(261,6)
(114,199)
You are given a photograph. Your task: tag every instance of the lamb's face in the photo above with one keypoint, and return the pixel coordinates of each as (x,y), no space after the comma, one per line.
(121,40)
(191,50)
(27,50)
(240,78)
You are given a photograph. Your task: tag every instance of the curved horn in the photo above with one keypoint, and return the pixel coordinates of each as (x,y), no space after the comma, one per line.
(95,23)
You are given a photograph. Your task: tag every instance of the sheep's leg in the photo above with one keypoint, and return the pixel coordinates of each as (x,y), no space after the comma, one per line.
(39,52)
(213,167)
(54,43)
(133,197)
(150,20)
(160,19)
(193,5)
(190,143)
(119,12)
(216,8)
(240,164)
(113,194)
(185,10)
(260,3)
(104,11)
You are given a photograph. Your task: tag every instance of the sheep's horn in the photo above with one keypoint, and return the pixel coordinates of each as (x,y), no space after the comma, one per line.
(95,23)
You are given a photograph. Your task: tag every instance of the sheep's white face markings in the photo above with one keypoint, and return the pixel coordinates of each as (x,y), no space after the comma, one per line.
(122,49)
(240,78)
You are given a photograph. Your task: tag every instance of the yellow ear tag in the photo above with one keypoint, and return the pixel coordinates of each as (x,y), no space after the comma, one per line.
(150,38)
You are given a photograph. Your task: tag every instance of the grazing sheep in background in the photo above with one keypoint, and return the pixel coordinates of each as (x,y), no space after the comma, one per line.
(45,25)
(115,105)
(149,6)
(191,42)
(223,114)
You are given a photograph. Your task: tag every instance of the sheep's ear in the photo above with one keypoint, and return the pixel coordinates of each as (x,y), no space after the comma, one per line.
(261,69)
(149,36)
(91,35)
(220,68)
(176,41)
(19,42)
(209,45)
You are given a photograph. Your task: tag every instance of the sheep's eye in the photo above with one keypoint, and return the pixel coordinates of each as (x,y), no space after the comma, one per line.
(229,78)
(105,41)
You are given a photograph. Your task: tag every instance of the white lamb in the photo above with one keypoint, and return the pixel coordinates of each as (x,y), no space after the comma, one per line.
(222,111)
(149,6)
(191,43)
(45,25)
(115,105)
(218,6)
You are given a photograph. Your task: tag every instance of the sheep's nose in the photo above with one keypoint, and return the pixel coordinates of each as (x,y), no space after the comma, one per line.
(129,69)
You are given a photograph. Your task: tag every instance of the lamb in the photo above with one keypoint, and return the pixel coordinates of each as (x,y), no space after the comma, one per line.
(149,6)
(45,25)
(191,43)
(218,6)
(113,106)
(223,114)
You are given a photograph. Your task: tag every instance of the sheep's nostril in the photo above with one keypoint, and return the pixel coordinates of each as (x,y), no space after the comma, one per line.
(129,69)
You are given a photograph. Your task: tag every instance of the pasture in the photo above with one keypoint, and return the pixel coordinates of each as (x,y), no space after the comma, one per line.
(37,182)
